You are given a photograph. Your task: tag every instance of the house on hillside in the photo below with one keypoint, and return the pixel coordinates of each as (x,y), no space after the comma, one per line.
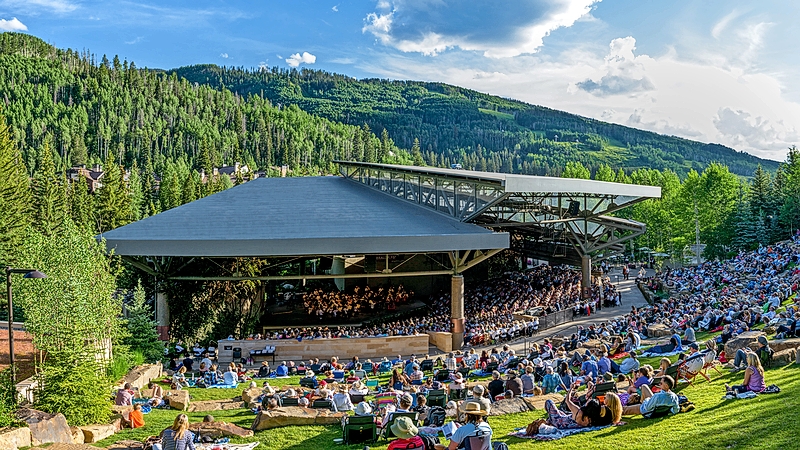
(93,176)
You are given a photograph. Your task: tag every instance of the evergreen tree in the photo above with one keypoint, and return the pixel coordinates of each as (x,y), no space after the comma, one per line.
(604,173)
(112,202)
(80,202)
(49,194)
(189,193)
(790,210)
(142,335)
(14,197)
(149,189)
(416,154)
(137,195)
(574,169)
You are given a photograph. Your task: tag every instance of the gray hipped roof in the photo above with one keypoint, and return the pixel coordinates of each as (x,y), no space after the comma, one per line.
(295,217)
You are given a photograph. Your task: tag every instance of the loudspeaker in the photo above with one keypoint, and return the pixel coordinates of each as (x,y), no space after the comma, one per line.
(574,208)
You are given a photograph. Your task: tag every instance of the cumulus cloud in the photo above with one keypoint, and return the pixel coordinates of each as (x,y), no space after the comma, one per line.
(746,130)
(432,27)
(335,8)
(297,59)
(12,25)
(223,55)
(623,72)
(262,66)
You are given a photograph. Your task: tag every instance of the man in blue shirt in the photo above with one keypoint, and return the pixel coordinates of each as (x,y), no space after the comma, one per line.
(282,370)
(630,364)
(589,367)
(651,401)
(603,364)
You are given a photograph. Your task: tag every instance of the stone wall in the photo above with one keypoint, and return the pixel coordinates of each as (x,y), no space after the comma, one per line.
(140,376)
(442,340)
(291,350)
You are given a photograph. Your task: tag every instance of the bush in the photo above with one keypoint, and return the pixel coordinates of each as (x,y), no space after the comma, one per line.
(8,399)
(141,329)
(123,361)
(75,387)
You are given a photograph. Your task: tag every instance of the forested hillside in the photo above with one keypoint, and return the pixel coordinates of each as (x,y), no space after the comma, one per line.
(457,125)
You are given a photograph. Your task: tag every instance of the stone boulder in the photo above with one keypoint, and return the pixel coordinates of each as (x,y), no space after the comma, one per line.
(177,399)
(46,428)
(60,446)
(140,376)
(251,395)
(294,415)
(14,438)
(746,339)
(77,435)
(784,357)
(783,344)
(537,401)
(215,405)
(219,429)
(593,344)
(95,433)
(659,330)
(522,404)
(122,410)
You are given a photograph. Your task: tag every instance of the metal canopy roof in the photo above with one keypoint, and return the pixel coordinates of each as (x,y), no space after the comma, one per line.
(298,217)
(558,219)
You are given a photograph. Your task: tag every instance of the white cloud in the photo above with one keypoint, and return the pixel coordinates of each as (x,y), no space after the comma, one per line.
(723,23)
(12,25)
(335,8)
(432,27)
(135,40)
(262,66)
(297,59)
(622,72)
(223,55)
(33,6)
(347,61)
(745,130)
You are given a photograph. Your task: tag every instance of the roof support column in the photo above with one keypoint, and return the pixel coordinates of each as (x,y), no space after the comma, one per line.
(586,279)
(162,316)
(457,310)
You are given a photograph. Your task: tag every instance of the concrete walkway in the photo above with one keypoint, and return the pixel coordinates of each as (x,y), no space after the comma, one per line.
(631,296)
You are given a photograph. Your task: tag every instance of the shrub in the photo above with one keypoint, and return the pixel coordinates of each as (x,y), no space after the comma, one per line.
(8,399)
(141,333)
(75,387)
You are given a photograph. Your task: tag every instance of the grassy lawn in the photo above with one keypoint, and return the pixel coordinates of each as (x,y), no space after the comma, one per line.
(499,114)
(768,421)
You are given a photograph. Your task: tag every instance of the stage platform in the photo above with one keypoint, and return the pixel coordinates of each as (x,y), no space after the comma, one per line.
(283,317)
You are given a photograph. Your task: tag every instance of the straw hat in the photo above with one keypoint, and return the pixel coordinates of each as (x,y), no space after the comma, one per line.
(474,408)
(404,428)
(363,409)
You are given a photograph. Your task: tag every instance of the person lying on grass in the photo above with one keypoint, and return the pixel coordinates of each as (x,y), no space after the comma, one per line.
(592,414)
(650,401)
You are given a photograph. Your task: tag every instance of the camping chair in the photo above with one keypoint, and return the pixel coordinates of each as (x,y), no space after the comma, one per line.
(361,373)
(604,388)
(660,411)
(436,397)
(359,429)
(490,367)
(289,401)
(367,367)
(301,371)
(464,371)
(308,383)
(458,394)
(426,365)
(512,364)
(356,398)
(385,367)
(372,385)
(316,368)
(671,371)
(322,404)
(442,375)
(478,441)
(338,375)
(387,430)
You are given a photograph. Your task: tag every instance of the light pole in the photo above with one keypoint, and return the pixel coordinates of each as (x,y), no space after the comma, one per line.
(29,273)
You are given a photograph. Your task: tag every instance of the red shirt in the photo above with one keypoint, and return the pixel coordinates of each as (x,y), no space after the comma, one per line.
(403,444)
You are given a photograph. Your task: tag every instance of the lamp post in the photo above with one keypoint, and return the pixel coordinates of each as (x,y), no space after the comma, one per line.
(29,273)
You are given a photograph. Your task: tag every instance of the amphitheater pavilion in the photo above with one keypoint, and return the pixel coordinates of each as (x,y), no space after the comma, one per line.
(407,221)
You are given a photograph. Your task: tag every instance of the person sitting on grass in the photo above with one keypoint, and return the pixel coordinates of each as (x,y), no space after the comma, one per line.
(351,377)
(263,371)
(753,377)
(407,435)
(179,379)
(551,382)
(650,401)
(643,377)
(763,351)
(592,414)
(178,436)
(342,400)
(125,396)
(496,386)
(629,364)
(136,417)
(403,406)
(230,378)
(475,423)
(282,370)
(211,377)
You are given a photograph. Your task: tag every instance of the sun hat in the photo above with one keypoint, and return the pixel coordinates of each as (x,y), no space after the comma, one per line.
(538,362)
(474,408)
(363,409)
(406,398)
(478,389)
(763,340)
(403,428)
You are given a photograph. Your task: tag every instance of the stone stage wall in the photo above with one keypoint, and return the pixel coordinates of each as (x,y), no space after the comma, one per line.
(344,349)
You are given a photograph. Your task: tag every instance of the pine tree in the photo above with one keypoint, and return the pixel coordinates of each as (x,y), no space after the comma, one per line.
(137,195)
(142,335)
(112,203)
(149,188)
(189,193)
(80,202)
(417,154)
(574,169)
(49,195)
(14,197)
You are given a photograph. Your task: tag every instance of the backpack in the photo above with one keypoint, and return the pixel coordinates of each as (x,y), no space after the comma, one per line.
(435,418)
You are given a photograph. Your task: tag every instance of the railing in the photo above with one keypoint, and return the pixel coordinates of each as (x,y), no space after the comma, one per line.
(549,321)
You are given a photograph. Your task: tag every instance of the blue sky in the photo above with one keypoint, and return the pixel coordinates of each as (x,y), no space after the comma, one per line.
(715,71)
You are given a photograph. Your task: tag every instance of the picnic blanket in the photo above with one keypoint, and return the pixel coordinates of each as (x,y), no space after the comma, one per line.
(222,386)
(249,446)
(651,355)
(520,433)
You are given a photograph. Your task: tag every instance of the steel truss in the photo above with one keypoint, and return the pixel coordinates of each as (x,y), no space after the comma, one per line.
(554,226)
